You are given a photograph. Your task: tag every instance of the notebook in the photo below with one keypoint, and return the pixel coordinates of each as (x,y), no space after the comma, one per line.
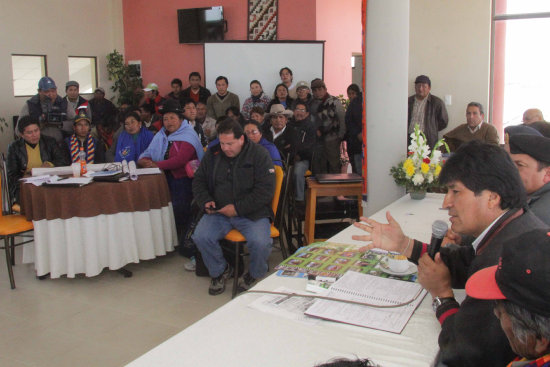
(338,178)
(373,290)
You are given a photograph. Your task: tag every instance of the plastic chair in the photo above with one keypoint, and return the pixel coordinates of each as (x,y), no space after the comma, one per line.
(234,236)
(11,225)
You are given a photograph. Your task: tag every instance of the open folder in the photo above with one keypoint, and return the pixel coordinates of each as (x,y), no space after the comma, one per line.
(373,290)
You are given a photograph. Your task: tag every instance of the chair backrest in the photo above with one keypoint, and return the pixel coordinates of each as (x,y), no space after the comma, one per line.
(5,195)
(279,174)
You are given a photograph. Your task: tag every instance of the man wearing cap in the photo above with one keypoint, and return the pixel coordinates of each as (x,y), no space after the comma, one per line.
(94,148)
(426,110)
(277,130)
(473,129)
(519,289)
(195,91)
(485,200)
(47,108)
(75,101)
(531,154)
(104,110)
(303,94)
(153,97)
(329,116)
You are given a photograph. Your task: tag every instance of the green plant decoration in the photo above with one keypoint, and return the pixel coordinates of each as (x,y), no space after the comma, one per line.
(125,82)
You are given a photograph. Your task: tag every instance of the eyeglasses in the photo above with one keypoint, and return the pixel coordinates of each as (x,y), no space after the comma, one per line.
(252,132)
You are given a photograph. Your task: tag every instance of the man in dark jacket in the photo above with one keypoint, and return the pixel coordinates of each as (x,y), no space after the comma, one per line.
(306,138)
(195,91)
(31,151)
(486,200)
(48,109)
(426,111)
(234,184)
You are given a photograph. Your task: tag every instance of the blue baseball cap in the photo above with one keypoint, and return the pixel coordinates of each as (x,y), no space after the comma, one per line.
(46,83)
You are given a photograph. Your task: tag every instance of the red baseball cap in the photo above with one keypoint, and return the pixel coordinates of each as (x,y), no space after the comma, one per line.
(522,275)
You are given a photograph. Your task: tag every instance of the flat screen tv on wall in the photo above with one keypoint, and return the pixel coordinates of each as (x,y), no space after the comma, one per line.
(201,25)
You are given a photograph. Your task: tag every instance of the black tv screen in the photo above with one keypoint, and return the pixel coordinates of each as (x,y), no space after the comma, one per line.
(201,25)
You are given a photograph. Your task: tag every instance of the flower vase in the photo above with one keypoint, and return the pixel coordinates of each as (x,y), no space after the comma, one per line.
(418,194)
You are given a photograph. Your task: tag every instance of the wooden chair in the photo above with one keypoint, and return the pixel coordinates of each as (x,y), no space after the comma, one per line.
(234,236)
(11,225)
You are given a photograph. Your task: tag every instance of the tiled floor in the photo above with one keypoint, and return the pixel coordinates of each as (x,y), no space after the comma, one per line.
(107,320)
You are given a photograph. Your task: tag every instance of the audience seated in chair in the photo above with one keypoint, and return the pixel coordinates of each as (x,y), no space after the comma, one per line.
(257,99)
(132,141)
(32,150)
(234,184)
(92,147)
(254,134)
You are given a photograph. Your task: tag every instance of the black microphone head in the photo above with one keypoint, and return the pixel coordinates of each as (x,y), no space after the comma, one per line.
(439,228)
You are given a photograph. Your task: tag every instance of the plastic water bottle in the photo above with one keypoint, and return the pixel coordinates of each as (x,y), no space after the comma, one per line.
(82,160)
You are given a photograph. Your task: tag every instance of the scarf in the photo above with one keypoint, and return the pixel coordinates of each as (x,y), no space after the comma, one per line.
(89,148)
(158,146)
(129,147)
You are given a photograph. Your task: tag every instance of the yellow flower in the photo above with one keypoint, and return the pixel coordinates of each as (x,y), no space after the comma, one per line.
(424,167)
(409,169)
(437,170)
(408,162)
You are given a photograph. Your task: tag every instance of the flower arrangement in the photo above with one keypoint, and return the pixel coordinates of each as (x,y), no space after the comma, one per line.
(420,171)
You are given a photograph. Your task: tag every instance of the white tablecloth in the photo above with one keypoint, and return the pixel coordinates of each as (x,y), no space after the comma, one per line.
(88,245)
(236,335)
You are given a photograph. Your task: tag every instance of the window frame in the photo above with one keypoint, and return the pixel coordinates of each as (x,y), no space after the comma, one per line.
(95,81)
(45,61)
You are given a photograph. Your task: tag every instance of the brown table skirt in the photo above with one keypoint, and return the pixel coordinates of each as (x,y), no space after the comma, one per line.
(148,192)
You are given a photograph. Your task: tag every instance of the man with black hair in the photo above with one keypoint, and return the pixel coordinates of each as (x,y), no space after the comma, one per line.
(32,150)
(473,129)
(75,101)
(195,91)
(305,144)
(219,102)
(208,123)
(176,93)
(234,184)
(531,154)
(486,200)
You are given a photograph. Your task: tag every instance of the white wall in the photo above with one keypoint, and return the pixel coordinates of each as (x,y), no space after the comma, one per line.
(387,42)
(450,42)
(58,29)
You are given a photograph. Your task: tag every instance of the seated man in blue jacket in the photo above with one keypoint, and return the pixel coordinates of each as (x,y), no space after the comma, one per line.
(234,184)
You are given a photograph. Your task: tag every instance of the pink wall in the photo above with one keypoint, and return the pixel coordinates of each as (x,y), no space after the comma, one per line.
(339,24)
(151,34)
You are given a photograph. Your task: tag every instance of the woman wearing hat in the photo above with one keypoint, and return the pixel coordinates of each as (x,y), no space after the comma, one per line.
(172,148)
(94,149)
(133,140)
(257,99)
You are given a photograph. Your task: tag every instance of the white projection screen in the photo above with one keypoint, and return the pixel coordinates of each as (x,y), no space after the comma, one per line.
(242,62)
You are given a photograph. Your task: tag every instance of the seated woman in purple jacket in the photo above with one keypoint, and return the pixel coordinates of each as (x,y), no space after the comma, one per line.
(133,140)
(172,148)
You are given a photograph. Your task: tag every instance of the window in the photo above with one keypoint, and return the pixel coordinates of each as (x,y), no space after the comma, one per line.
(27,71)
(83,69)
(519,73)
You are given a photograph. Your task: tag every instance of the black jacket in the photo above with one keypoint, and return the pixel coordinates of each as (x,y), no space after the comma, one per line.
(17,161)
(253,180)
(354,125)
(306,137)
(472,336)
(203,95)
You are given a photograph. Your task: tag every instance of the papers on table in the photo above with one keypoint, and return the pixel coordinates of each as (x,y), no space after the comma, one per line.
(109,167)
(148,171)
(39,180)
(288,307)
(71,181)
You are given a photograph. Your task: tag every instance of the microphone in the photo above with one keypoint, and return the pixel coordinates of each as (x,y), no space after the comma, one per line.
(439,229)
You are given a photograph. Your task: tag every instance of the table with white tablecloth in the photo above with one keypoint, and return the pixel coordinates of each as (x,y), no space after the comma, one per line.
(100,225)
(237,335)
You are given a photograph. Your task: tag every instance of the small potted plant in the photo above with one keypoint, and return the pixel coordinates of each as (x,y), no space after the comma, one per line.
(419,172)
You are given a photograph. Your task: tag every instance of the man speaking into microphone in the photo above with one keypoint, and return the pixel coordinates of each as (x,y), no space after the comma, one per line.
(485,200)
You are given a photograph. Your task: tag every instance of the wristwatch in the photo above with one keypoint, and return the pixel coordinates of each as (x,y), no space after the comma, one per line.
(438,301)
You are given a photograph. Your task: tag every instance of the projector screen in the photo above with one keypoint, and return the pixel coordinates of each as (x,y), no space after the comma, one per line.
(242,62)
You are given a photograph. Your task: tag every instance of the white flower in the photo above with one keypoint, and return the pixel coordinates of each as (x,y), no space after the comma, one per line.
(436,157)
(430,178)
(418,179)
